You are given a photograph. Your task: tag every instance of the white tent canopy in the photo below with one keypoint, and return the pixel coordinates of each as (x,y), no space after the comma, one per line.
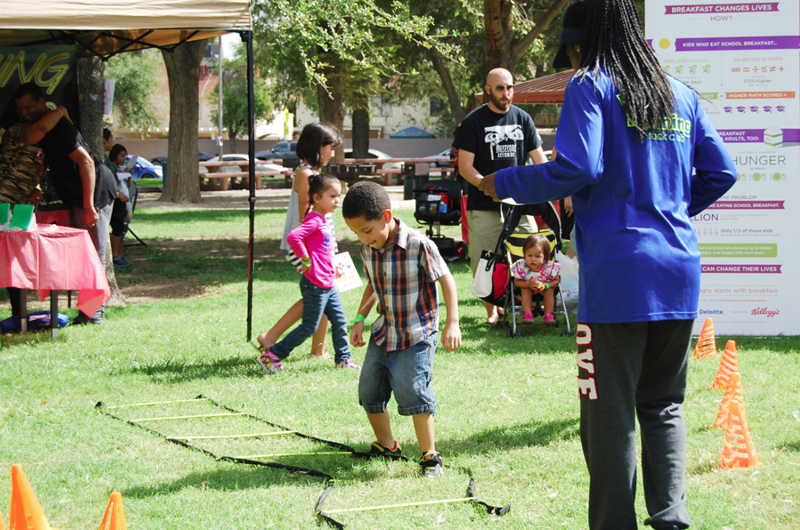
(107,27)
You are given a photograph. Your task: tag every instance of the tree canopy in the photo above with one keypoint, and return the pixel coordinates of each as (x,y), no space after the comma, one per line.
(137,78)
(235,97)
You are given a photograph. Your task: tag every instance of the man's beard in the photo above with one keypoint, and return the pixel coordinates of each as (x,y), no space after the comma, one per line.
(497,102)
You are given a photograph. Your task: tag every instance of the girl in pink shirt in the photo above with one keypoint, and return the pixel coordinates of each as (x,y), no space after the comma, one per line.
(313,241)
(535,273)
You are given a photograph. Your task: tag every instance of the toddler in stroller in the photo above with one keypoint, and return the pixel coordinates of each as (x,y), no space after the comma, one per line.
(511,250)
(535,273)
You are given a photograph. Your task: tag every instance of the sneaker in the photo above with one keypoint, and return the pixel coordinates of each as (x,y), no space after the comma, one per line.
(83,319)
(549,320)
(348,364)
(431,463)
(527,318)
(124,261)
(377,449)
(270,362)
(119,263)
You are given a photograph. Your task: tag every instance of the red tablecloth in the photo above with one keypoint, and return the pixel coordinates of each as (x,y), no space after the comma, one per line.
(54,257)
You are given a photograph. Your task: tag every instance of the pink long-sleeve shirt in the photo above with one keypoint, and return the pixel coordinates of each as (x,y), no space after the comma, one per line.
(314,237)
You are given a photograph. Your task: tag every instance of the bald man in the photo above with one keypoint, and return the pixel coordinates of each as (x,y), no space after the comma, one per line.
(494,136)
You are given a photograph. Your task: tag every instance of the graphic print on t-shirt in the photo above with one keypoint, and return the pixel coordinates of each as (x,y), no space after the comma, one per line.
(496,135)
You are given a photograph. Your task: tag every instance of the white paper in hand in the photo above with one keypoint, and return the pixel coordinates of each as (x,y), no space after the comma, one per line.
(348,277)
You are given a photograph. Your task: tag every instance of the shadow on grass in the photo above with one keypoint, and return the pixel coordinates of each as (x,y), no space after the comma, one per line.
(793,447)
(178,371)
(703,468)
(239,477)
(538,434)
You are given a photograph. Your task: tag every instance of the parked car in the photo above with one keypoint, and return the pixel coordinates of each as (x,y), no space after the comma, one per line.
(380,155)
(144,169)
(162,160)
(443,154)
(281,151)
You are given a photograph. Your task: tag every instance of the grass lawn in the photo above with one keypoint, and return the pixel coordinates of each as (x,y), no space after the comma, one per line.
(507,409)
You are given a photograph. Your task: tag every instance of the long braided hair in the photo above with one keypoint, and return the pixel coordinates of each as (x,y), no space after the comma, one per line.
(615,42)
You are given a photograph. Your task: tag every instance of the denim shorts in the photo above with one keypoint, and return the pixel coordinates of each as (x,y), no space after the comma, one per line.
(408,373)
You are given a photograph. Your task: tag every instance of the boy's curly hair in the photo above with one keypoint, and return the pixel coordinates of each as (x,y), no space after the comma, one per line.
(365,199)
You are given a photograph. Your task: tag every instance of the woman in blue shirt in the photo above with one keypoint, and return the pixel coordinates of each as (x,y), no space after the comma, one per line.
(639,157)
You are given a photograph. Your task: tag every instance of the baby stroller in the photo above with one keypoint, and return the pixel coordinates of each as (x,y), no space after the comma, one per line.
(437,203)
(509,249)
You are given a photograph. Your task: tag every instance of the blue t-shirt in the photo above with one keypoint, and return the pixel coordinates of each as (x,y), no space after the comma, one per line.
(633,200)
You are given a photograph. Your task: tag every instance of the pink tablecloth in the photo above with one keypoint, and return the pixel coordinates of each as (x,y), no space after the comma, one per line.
(54,257)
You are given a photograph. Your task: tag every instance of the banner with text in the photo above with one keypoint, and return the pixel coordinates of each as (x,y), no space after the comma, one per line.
(743,58)
(51,67)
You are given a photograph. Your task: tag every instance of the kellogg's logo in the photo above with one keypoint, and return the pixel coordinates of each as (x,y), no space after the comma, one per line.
(764,311)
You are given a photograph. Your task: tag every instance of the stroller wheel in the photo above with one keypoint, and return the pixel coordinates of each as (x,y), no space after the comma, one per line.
(461,250)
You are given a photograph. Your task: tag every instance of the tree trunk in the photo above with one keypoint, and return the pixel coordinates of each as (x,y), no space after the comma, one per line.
(90,102)
(498,27)
(500,49)
(360,132)
(331,108)
(449,87)
(183,70)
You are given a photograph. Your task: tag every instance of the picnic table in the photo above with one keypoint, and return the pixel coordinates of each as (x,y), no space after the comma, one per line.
(216,180)
(422,167)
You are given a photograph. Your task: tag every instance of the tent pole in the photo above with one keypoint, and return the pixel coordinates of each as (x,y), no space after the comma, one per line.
(247,37)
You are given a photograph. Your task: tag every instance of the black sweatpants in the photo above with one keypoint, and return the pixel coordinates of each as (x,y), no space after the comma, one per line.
(625,371)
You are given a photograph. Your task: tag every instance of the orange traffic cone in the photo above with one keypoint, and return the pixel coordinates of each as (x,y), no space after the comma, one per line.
(706,343)
(727,365)
(733,392)
(115,514)
(737,449)
(25,513)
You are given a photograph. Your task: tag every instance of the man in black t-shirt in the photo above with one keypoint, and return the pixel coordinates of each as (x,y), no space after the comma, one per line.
(84,184)
(494,136)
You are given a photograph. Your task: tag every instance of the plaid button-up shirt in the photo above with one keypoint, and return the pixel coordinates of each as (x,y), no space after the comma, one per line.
(403,275)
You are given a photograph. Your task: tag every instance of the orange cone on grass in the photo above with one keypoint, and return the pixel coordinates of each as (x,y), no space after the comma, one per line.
(727,365)
(738,449)
(114,518)
(26,512)
(707,342)
(733,392)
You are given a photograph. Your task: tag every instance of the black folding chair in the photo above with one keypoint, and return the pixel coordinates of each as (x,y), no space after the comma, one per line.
(139,242)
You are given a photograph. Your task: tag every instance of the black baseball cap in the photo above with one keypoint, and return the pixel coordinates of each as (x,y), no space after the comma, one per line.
(568,36)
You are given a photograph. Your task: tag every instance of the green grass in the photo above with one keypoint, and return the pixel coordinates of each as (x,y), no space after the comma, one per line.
(148,182)
(507,409)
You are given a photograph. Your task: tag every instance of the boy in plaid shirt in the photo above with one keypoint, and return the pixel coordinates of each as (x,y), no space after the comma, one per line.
(402,267)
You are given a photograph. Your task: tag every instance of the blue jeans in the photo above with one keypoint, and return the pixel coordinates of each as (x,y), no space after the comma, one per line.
(408,373)
(316,301)
(99,235)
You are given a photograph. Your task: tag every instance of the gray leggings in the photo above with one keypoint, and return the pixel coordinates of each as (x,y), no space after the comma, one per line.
(628,371)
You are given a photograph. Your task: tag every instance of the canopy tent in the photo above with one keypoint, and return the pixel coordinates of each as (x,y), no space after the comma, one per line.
(541,90)
(107,27)
(412,132)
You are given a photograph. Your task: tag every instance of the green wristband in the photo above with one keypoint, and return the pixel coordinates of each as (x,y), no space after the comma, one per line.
(359,318)
(546,286)
(306,263)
